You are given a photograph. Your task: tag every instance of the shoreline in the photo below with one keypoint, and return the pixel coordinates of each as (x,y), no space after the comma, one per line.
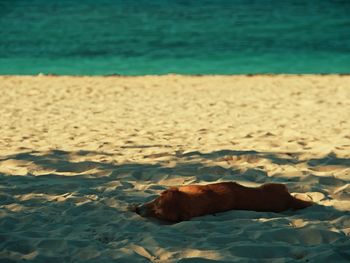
(183,75)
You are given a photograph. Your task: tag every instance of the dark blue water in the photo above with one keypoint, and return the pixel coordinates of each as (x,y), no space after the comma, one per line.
(137,37)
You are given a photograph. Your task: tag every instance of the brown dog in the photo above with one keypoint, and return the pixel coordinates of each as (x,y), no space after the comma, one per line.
(182,203)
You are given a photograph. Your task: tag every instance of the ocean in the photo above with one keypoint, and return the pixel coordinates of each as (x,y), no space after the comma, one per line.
(139,37)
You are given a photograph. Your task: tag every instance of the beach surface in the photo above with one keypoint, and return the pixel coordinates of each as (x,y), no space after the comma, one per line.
(77,152)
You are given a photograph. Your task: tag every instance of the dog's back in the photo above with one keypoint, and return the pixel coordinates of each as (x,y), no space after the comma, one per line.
(185,202)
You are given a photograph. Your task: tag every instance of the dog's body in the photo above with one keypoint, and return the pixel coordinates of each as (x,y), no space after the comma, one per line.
(184,202)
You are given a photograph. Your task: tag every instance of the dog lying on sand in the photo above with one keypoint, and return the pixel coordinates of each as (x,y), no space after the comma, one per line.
(185,202)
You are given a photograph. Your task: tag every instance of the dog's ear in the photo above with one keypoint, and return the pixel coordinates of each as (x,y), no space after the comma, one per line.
(170,205)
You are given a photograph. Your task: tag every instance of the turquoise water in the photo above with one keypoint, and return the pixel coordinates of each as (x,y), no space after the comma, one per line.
(137,37)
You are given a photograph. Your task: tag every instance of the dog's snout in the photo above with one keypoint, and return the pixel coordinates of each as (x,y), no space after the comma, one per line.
(142,210)
(137,210)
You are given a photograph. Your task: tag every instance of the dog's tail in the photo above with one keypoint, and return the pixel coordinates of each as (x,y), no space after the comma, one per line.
(299,203)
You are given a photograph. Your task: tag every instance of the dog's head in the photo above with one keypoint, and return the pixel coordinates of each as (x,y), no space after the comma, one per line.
(168,206)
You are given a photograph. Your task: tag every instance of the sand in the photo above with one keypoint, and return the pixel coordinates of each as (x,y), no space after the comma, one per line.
(77,152)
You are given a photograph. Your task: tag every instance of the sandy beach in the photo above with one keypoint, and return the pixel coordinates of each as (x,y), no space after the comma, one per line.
(77,152)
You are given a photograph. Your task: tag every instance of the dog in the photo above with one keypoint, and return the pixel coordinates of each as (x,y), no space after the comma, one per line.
(185,202)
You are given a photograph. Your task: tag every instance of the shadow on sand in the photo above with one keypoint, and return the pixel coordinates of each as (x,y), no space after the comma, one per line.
(66,197)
